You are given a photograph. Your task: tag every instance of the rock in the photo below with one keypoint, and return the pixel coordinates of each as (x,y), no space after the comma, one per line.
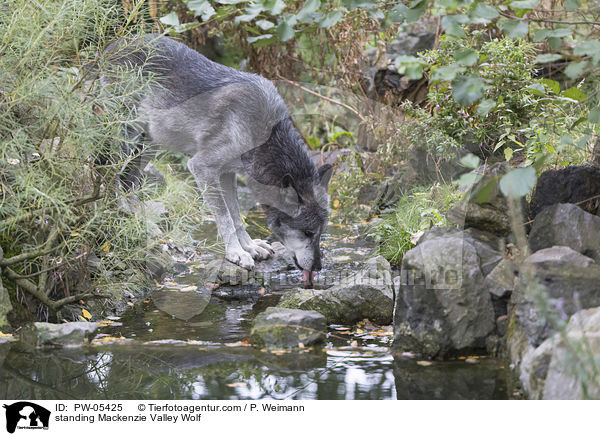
(558,255)
(502,324)
(180,268)
(534,369)
(158,263)
(69,334)
(484,207)
(410,43)
(382,76)
(560,367)
(571,364)
(573,184)
(154,175)
(443,305)
(183,303)
(566,225)
(5,305)
(366,294)
(280,328)
(502,281)
(564,289)
(270,272)
(488,246)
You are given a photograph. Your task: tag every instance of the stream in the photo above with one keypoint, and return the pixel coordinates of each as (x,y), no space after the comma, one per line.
(173,346)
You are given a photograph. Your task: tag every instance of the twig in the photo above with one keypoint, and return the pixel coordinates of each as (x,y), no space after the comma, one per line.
(74,202)
(32,289)
(37,273)
(49,244)
(28,286)
(329,99)
(542,20)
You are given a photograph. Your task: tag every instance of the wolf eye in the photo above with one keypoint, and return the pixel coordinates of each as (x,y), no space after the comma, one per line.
(309,234)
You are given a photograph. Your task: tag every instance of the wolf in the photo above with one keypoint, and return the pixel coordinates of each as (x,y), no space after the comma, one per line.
(231,122)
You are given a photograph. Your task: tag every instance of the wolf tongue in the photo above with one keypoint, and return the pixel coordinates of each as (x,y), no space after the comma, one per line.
(308,276)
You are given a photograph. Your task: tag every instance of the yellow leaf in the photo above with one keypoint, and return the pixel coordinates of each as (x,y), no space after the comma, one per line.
(86,314)
(336,203)
(106,246)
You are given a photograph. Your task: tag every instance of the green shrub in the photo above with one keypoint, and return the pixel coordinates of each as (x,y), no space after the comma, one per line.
(61,152)
(416,212)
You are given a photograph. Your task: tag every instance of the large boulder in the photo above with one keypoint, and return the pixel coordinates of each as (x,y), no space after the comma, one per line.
(573,184)
(443,305)
(565,366)
(549,292)
(69,334)
(567,225)
(365,294)
(280,328)
(484,207)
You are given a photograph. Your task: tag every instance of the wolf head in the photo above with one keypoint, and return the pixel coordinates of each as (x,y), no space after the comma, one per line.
(300,227)
(293,193)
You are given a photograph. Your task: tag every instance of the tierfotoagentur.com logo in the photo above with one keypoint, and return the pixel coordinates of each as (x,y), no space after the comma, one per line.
(26,415)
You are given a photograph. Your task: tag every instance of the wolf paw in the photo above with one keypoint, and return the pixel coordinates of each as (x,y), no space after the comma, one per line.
(258,252)
(240,257)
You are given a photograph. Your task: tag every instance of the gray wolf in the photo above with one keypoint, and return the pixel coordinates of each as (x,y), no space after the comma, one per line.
(232,122)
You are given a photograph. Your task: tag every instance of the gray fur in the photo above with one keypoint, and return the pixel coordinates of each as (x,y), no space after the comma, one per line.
(231,122)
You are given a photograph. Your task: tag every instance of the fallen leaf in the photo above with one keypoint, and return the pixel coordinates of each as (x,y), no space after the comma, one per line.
(189,289)
(424,363)
(87,315)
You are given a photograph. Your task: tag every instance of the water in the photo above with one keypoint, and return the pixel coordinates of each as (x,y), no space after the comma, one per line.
(148,353)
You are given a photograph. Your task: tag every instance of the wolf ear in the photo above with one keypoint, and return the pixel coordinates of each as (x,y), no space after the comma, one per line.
(325,173)
(288,182)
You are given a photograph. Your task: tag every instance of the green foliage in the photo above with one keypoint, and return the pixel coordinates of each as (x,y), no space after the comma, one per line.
(61,151)
(416,212)
(345,186)
(498,101)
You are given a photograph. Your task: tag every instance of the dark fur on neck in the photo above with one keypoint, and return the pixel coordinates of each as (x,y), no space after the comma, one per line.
(282,159)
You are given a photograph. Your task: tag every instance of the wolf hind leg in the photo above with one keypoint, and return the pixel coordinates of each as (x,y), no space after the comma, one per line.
(257,248)
(214,199)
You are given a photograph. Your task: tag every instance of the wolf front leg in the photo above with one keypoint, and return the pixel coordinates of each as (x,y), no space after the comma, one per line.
(209,182)
(257,248)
